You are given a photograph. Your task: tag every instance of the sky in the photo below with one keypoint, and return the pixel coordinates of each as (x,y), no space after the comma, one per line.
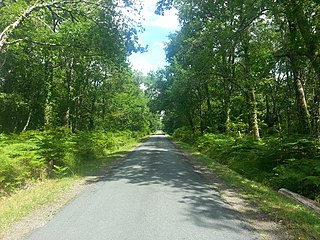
(157,28)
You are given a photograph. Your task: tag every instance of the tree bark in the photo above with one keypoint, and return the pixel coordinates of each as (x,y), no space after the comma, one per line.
(226,103)
(309,39)
(69,77)
(304,115)
(303,112)
(39,4)
(5,34)
(254,114)
(28,122)
(301,199)
(190,120)
(48,111)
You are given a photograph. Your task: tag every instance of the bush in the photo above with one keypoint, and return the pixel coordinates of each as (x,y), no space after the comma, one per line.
(21,161)
(183,134)
(291,162)
(299,175)
(35,155)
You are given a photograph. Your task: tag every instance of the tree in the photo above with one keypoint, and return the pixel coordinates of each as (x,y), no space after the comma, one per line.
(67,63)
(249,66)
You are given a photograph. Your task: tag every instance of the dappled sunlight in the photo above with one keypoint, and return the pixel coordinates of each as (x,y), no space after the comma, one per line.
(157,166)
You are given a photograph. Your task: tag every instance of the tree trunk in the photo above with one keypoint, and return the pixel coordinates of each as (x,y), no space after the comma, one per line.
(190,120)
(303,113)
(316,112)
(69,73)
(4,35)
(226,103)
(48,111)
(254,114)
(93,110)
(309,38)
(28,122)
(228,119)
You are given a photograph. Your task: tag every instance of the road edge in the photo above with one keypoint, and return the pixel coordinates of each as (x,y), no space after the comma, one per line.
(264,224)
(41,216)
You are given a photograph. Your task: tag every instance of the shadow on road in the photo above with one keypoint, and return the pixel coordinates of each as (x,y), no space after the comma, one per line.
(158,163)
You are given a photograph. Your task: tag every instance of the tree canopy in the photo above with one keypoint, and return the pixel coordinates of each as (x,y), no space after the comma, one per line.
(64,63)
(242,67)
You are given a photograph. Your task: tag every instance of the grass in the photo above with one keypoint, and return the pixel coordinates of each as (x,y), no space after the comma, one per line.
(300,222)
(21,203)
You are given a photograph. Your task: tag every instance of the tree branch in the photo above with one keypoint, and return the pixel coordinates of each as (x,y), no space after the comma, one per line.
(39,4)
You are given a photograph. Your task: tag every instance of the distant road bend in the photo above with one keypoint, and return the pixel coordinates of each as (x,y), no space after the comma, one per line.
(153,194)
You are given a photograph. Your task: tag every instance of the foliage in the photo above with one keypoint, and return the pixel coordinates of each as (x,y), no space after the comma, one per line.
(67,93)
(242,67)
(183,134)
(289,162)
(64,64)
(37,155)
(299,221)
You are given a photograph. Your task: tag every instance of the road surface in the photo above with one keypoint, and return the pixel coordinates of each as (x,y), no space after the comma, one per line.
(153,194)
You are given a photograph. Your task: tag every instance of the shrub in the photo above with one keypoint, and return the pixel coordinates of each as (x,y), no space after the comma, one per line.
(183,134)
(34,155)
(291,162)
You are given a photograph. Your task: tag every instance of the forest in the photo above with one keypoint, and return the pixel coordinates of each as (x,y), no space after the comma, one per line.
(243,86)
(67,92)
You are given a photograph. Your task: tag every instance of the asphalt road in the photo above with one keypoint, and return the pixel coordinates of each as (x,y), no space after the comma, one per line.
(153,194)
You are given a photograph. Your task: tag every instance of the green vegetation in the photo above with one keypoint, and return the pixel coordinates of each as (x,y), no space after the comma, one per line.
(68,98)
(32,156)
(19,205)
(242,87)
(290,162)
(67,93)
(64,64)
(242,67)
(46,191)
(299,221)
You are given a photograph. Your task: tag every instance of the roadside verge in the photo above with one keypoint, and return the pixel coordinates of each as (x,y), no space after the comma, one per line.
(274,216)
(29,209)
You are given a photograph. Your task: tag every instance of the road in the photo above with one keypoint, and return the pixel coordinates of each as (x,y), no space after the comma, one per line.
(153,194)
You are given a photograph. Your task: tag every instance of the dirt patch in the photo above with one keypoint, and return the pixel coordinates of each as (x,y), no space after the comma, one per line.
(263,223)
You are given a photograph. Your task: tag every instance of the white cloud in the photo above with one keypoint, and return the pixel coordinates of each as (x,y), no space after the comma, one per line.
(157,29)
(148,18)
(168,21)
(139,63)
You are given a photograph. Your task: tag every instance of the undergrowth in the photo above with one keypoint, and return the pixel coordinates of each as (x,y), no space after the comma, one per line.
(291,162)
(258,168)
(37,155)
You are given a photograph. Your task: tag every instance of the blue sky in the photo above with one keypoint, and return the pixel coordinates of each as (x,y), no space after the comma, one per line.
(157,29)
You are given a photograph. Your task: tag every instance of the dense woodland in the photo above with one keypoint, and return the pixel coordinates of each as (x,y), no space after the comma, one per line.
(67,93)
(242,85)
(64,63)
(243,66)
(246,68)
